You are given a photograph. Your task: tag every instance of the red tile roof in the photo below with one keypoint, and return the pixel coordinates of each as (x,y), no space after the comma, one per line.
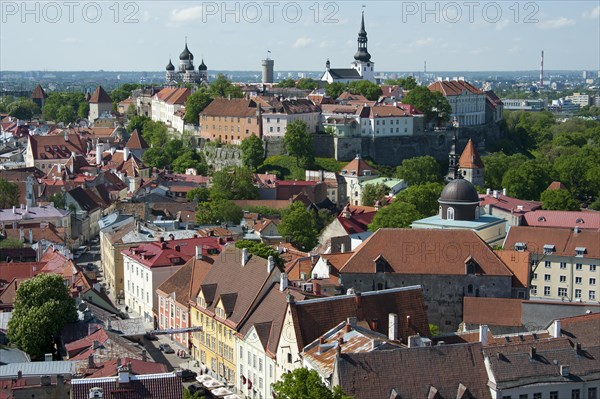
(509,204)
(236,107)
(100,96)
(454,87)
(136,142)
(359,220)
(138,367)
(518,262)
(38,93)
(56,147)
(556,185)
(185,281)
(425,252)
(565,241)
(542,218)
(357,167)
(165,253)
(492,311)
(174,95)
(469,158)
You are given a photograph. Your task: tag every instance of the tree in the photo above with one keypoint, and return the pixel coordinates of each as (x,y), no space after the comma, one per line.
(23,109)
(373,193)
(253,153)
(298,142)
(397,215)
(187,394)
(155,133)
(136,123)
(424,197)
(66,114)
(527,181)
(57,100)
(194,105)
(287,83)
(307,84)
(221,87)
(233,183)
(198,194)
(305,384)
(419,170)
(11,243)
(497,164)
(299,225)
(335,89)
(58,199)
(9,194)
(155,157)
(559,200)
(83,110)
(261,249)
(433,104)
(43,305)
(407,83)
(218,211)
(367,88)
(131,111)
(190,159)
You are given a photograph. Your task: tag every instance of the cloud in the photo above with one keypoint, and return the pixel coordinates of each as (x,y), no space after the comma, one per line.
(422,42)
(189,14)
(324,44)
(70,39)
(302,42)
(502,24)
(557,23)
(594,13)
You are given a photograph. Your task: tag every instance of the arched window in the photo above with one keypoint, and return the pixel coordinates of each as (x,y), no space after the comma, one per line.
(477,212)
(450,213)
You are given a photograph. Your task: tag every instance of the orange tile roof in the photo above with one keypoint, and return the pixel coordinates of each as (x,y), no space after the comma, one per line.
(454,87)
(492,311)
(100,96)
(470,157)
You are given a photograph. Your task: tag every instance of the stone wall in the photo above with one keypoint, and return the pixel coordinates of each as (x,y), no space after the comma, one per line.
(218,158)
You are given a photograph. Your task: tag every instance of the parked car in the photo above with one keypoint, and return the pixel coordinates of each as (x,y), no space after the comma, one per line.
(186,375)
(166,348)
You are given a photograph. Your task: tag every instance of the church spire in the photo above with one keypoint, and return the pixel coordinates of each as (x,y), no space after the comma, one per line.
(452,161)
(362,54)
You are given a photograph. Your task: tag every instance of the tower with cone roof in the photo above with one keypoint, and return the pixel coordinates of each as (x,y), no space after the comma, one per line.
(470,165)
(362,59)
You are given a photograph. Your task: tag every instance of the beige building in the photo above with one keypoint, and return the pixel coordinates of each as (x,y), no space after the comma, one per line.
(564,262)
(231,120)
(111,245)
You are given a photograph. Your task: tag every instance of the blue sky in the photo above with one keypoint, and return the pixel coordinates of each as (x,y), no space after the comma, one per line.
(142,35)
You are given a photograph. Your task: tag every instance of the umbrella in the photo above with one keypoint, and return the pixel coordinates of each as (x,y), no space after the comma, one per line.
(212,384)
(220,392)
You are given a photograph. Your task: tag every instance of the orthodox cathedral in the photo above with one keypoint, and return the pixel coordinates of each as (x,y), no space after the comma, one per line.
(186,73)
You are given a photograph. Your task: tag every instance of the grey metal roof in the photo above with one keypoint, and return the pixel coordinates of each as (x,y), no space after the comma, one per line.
(344,73)
(64,367)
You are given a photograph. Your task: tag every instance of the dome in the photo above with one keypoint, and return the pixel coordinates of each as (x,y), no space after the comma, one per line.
(186,55)
(362,55)
(202,66)
(190,67)
(170,66)
(459,191)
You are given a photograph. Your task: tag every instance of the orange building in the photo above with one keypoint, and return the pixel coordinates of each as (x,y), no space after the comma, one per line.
(231,120)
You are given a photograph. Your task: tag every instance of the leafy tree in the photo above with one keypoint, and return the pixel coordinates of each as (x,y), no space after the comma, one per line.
(218,211)
(23,109)
(407,83)
(131,111)
(559,200)
(83,110)
(57,100)
(287,83)
(299,224)
(335,89)
(190,159)
(155,133)
(11,243)
(155,157)
(373,193)
(198,194)
(527,181)
(419,170)
(367,88)
(398,214)
(136,123)
(261,249)
(253,153)
(307,84)
(66,114)
(5,101)
(43,305)
(305,384)
(58,199)
(424,197)
(9,194)
(433,104)
(233,183)
(497,164)
(298,142)
(188,395)
(194,105)
(221,87)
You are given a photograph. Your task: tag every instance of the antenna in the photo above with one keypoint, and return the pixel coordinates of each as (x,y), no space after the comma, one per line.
(542,70)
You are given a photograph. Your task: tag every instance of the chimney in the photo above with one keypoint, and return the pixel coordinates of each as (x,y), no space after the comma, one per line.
(351,321)
(245,256)
(504,192)
(357,299)
(161,239)
(578,348)
(347,214)
(488,191)
(576,230)
(393,326)
(283,281)
(91,364)
(348,327)
(19,374)
(199,255)
(270,264)
(342,247)
(556,332)
(350,291)
(125,154)
(495,193)
(113,150)
(99,151)
(124,374)
(177,248)
(48,357)
(31,236)
(483,334)
(14,209)
(532,352)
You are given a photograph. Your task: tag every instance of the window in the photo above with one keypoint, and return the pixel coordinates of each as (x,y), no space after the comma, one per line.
(289,356)
(537,395)
(554,395)
(450,213)
(577,280)
(254,361)
(592,393)
(562,292)
(241,353)
(546,291)
(270,371)
(580,251)
(592,295)
(547,277)
(548,249)
(523,396)
(563,279)
(563,265)
(575,394)
(548,263)
(534,277)
(578,266)
(578,294)
(592,268)
(259,364)
(533,290)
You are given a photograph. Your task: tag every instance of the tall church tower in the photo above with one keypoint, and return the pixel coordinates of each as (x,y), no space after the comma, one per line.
(452,161)
(362,59)
(471,166)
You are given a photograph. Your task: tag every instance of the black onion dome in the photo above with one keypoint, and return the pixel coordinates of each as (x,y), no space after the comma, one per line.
(186,55)
(202,66)
(459,191)
(170,66)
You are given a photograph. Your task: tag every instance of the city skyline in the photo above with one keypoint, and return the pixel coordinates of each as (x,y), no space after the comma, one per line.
(143,36)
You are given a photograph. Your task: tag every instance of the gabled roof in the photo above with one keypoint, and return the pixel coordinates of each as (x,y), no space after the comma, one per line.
(344,73)
(583,329)
(180,283)
(314,317)
(469,158)
(100,96)
(570,219)
(56,147)
(565,241)
(109,368)
(136,142)
(359,220)
(407,255)
(454,87)
(166,253)
(236,107)
(414,373)
(346,95)
(509,204)
(83,199)
(357,167)
(174,95)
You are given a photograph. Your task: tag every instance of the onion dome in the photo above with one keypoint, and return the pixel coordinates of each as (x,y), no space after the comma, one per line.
(170,66)
(202,66)
(186,55)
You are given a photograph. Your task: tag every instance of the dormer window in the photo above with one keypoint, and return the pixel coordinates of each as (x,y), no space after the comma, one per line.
(580,251)
(520,246)
(366,173)
(549,249)
(353,173)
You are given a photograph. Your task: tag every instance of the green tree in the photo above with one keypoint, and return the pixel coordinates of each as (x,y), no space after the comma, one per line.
(253,153)
(9,194)
(198,194)
(196,104)
(433,104)
(367,88)
(11,243)
(423,196)
(419,170)
(261,249)
(527,181)
(188,395)
(233,183)
(5,101)
(43,305)
(58,199)
(131,111)
(218,211)
(307,84)
(334,90)
(136,123)
(221,87)
(397,215)
(373,193)
(156,158)
(298,142)
(287,83)
(155,133)
(299,225)
(57,100)
(83,110)
(305,384)
(190,159)
(497,164)
(23,109)
(559,200)
(66,114)
(407,83)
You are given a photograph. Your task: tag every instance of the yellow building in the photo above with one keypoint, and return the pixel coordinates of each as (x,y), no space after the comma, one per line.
(230,290)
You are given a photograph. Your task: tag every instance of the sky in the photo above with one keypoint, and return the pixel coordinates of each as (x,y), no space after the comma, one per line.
(466,35)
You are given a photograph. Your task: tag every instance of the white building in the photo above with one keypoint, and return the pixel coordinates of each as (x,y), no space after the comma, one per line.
(278,114)
(167,103)
(467,101)
(356,172)
(391,120)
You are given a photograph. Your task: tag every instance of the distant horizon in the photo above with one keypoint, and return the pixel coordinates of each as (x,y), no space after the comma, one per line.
(304,71)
